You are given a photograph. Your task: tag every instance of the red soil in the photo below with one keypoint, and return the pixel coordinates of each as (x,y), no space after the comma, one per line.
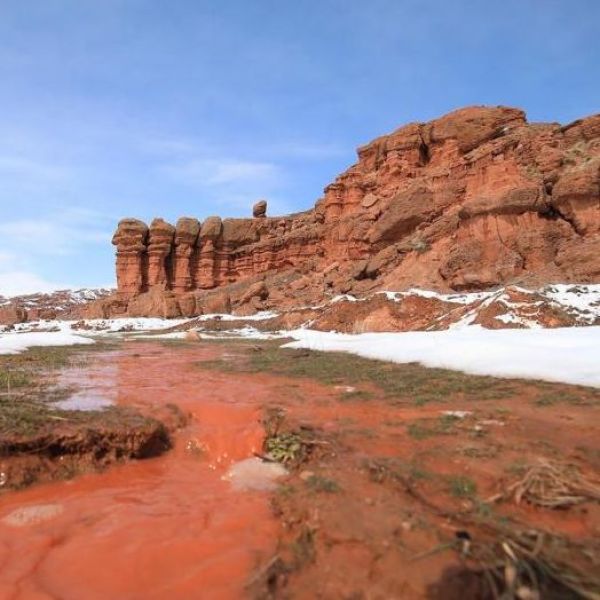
(163,528)
(171,527)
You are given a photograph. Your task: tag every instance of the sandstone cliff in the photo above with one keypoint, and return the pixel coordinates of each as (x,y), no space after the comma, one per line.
(472,200)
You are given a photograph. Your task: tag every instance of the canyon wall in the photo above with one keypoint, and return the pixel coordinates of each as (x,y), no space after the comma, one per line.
(472,200)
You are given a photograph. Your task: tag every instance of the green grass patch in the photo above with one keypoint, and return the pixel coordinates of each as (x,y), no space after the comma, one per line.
(318,483)
(399,383)
(381,470)
(461,486)
(27,390)
(424,428)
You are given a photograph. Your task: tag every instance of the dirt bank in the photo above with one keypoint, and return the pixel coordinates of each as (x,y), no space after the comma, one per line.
(50,429)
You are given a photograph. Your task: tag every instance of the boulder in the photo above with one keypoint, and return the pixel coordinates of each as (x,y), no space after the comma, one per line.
(259,210)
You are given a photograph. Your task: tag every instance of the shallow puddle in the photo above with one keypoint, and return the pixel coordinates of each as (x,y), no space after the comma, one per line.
(172,527)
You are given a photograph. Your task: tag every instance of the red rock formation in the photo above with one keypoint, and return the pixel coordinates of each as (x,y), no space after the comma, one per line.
(130,240)
(186,239)
(475,199)
(160,245)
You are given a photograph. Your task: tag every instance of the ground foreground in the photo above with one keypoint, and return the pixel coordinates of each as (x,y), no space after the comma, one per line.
(403,482)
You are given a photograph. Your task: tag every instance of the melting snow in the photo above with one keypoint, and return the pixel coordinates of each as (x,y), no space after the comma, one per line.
(13,343)
(570,355)
(83,401)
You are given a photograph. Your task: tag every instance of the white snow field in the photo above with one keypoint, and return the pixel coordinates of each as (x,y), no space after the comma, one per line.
(569,355)
(13,343)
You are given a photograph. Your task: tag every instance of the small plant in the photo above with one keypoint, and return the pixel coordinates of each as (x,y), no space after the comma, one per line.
(549,399)
(318,483)
(357,395)
(284,448)
(546,400)
(476,452)
(286,490)
(462,486)
(303,547)
(420,245)
(418,432)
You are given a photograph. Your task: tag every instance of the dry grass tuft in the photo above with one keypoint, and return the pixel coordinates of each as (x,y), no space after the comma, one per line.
(551,485)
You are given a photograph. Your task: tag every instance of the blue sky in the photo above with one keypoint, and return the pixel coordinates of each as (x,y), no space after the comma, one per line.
(113,108)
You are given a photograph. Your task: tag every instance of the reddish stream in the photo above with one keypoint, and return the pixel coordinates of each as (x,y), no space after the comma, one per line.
(169,527)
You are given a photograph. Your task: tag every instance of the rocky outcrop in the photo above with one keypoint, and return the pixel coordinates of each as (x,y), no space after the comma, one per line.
(476,199)
(63,304)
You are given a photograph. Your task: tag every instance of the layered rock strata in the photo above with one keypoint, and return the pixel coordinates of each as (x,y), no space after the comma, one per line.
(475,199)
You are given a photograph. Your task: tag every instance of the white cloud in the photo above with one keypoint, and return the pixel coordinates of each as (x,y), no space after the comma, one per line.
(213,172)
(26,245)
(7,258)
(17,283)
(270,151)
(308,150)
(57,235)
(15,166)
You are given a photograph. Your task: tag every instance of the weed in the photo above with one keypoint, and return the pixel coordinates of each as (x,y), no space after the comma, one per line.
(418,432)
(318,483)
(286,490)
(477,452)
(425,428)
(462,486)
(517,468)
(303,547)
(384,469)
(420,245)
(284,447)
(357,395)
(552,398)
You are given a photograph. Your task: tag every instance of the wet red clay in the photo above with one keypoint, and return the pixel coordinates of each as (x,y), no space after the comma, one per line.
(172,528)
(162,528)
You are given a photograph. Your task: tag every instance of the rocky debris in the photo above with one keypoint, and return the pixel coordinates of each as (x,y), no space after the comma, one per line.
(421,310)
(476,199)
(259,210)
(63,304)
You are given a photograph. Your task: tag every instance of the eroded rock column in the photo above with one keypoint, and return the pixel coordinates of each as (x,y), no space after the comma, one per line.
(130,240)
(207,253)
(160,243)
(186,239)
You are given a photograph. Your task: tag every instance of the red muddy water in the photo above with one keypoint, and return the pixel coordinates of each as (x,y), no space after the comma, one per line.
(169,527)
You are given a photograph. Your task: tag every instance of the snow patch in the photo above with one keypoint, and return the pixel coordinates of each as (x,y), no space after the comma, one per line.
(569,355)
(83,401)
(13,343)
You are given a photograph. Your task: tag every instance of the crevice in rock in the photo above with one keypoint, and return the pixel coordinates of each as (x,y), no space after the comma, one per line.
(424,154)
(553,213)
